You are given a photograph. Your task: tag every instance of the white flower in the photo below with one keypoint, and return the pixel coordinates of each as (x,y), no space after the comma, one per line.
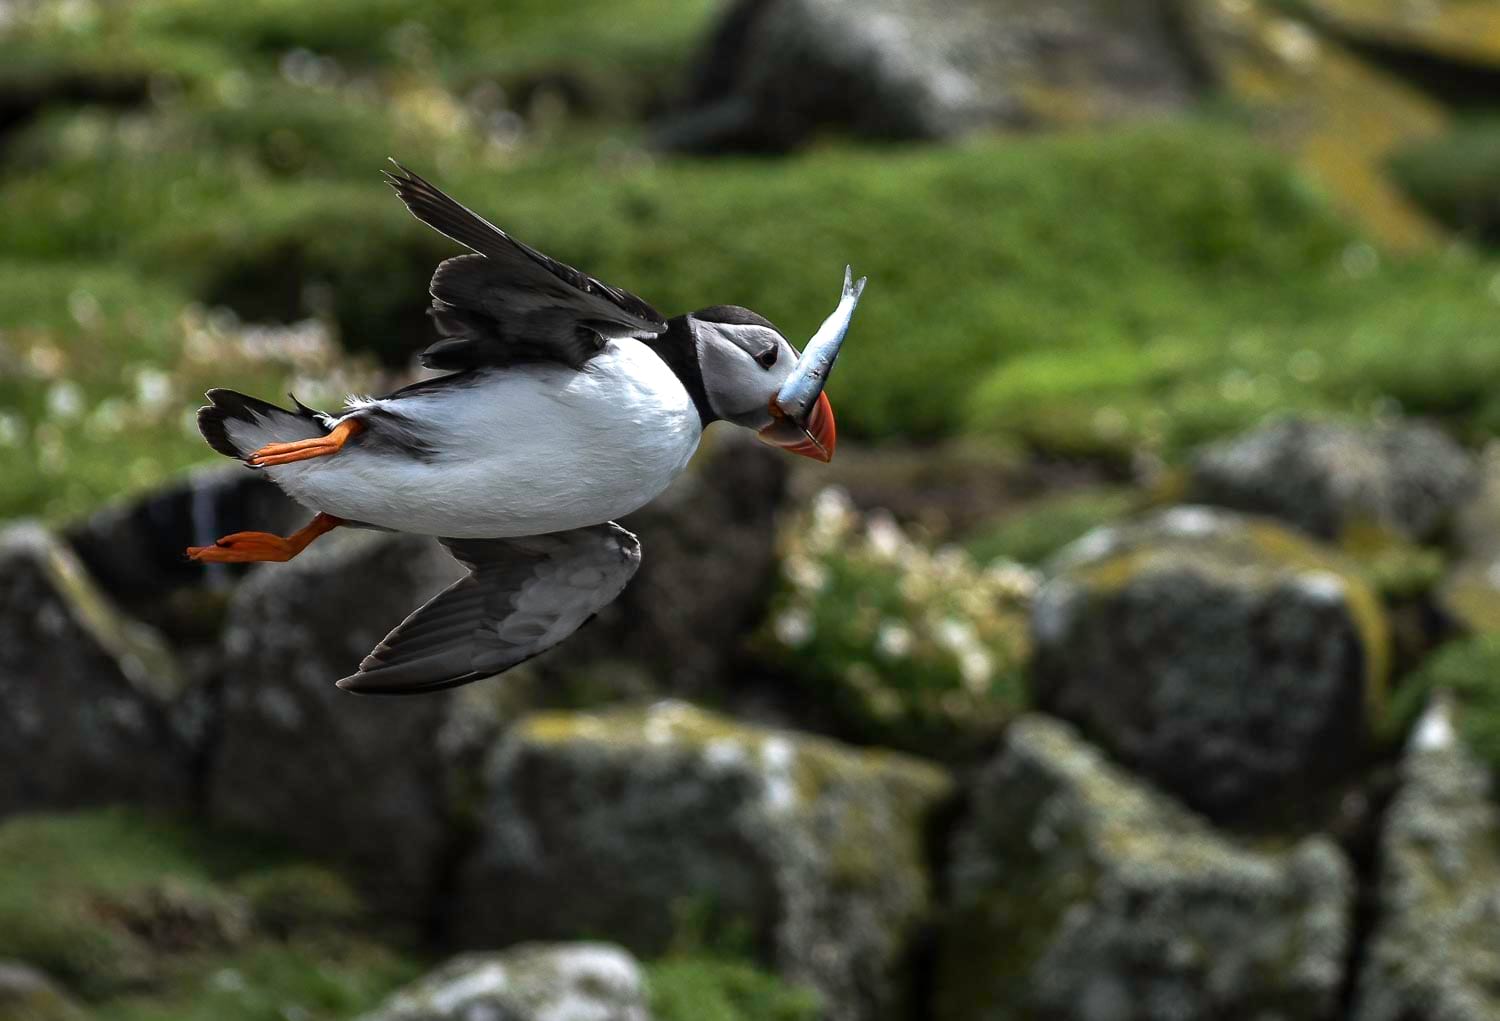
(893,640)
(1013,579)
(832,515)
(805,574)
(884,536)
(153,388)
(64,399)
(957,636)
(11,429)
(976,668)
(793,627)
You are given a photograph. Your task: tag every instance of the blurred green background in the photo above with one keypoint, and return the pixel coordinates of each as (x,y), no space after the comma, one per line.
(1294,239)
(1076,291)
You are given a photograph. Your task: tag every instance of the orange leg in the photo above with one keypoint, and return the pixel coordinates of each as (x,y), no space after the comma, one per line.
(252,547)
(301,450)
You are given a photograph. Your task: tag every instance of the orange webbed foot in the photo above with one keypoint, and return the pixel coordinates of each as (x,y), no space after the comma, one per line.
(263,547)
(302,450)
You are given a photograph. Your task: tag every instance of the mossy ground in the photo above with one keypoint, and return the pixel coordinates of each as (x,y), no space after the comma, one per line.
(1061,290)
(155,919)
(149,917)
(699,988)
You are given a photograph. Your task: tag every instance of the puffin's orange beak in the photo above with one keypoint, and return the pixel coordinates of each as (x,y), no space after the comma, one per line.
(814,439)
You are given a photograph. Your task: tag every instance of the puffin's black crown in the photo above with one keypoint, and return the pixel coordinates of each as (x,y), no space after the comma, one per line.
(733,315)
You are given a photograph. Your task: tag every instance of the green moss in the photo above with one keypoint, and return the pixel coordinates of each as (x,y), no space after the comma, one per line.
(1468,671)
(1398,570)
(1038,529)
(153,918)
(1456,178)
(300,898)
(716,989)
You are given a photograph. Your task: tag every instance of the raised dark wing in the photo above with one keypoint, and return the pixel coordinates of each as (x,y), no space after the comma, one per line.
(508,302)
(522,597)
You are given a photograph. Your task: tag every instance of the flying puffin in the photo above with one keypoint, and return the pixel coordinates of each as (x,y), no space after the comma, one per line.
(566,403)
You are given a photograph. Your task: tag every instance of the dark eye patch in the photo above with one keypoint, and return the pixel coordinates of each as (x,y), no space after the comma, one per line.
(767,358)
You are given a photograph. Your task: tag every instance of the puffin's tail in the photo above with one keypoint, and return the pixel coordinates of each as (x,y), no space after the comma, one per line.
(236,425)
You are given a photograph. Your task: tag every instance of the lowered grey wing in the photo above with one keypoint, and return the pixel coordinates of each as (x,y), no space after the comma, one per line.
(522,597)
(508,302)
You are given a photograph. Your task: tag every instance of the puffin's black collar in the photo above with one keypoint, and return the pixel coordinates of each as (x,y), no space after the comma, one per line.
(678,348)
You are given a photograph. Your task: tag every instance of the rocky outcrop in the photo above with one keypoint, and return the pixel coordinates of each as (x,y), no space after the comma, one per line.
(86,694)
(1466,32)
(776,72)
(1434,951)
(1327,478)
(1336,114)
(532,982)
(1224,657)
(1079,893)
(325,771)
(644,826)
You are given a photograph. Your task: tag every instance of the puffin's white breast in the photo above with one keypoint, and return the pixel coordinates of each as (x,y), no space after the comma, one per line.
(519,451)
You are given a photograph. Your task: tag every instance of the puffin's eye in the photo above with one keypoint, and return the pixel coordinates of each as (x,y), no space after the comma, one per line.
(766,358)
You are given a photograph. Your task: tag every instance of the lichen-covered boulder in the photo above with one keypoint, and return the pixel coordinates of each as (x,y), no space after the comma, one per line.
(645,826)
(1466,32)
(1340,116)
(1435,949)
(1078,893)
(322,770)
(776,72)
(86,693)
(532,982)
(1231,661)
(1329,478)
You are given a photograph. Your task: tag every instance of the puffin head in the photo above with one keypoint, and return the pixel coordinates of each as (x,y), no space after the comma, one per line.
(756,379)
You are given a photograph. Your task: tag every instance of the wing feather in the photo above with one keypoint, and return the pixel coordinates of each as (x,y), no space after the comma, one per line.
(521,597)
(508,302)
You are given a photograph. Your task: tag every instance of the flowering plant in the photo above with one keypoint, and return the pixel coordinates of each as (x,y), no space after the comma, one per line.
(909,646)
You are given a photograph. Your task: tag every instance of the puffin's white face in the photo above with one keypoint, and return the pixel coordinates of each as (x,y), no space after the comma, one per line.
(745,361)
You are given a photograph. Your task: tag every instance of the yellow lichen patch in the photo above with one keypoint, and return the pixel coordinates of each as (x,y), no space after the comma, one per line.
(1473,600)
(1467,30)
(1338,116)
(808,765)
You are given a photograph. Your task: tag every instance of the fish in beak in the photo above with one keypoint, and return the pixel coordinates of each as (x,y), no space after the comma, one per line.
(802,418)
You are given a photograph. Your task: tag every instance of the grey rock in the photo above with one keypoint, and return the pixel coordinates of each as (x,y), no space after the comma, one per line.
(643,826)
(1435,950)
(325,771)
(1226,658)
(532,982)
(776,72)
(28,995)
(86,693)
(1080,894)
(1406,479)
